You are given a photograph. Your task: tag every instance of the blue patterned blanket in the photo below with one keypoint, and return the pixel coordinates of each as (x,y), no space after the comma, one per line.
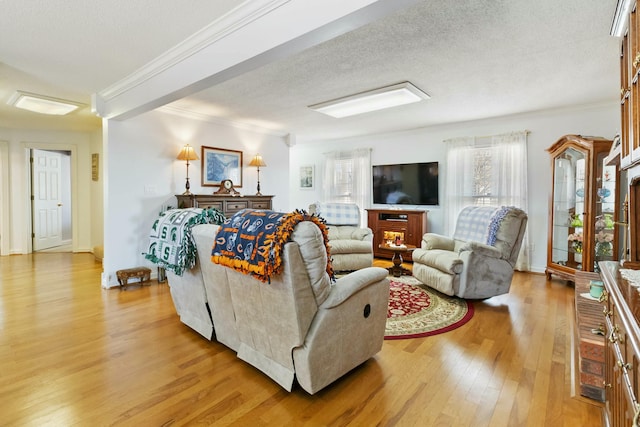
(171,244)
(251,241)
(496,220)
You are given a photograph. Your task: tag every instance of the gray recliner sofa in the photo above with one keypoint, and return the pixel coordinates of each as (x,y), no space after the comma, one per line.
(298,326)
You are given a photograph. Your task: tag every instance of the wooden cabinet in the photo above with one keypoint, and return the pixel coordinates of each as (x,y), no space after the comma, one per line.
(630,91)
(622,347)
(582,208)
(629,149)
(621,298)
(226,204)
(410,225)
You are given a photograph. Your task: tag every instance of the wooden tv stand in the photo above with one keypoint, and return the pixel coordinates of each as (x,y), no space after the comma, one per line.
(412,224)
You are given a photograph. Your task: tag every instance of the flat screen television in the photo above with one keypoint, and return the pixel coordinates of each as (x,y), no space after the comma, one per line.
(406,184)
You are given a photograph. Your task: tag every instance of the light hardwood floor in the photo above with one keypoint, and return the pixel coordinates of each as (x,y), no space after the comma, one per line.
(72,353)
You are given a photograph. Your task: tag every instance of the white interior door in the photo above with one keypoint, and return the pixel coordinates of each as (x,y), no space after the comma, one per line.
(47,202)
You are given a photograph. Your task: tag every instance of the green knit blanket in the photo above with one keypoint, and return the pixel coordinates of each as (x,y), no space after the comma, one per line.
(171,244)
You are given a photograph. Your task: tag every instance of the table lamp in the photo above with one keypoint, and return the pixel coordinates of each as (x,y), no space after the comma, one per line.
(187,153)
(258,162)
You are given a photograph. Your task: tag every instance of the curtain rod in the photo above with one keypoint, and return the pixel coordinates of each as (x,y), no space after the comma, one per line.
(526,132)
(346,151)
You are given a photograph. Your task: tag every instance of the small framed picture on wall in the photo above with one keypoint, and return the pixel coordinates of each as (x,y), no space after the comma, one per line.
(95,166)
(307,177)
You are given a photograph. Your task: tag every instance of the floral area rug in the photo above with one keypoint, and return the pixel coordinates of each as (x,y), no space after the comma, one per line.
(415,310)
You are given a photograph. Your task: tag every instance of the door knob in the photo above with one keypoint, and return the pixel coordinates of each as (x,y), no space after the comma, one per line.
(59,204)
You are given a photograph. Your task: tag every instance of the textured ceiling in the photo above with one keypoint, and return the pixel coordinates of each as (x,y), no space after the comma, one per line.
(476,58)
(71,49)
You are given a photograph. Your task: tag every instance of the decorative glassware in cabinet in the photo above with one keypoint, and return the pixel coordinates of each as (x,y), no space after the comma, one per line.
(568,205)
(583,194)
(605,212)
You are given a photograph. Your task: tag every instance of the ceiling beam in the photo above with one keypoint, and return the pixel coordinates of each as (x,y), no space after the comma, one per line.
(254,34)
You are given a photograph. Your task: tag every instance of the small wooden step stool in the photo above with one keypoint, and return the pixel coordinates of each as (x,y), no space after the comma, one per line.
(142,273)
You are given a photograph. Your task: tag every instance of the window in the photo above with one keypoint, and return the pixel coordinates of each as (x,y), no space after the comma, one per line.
(487,171)
(341,189)
(482,177)
(347,176)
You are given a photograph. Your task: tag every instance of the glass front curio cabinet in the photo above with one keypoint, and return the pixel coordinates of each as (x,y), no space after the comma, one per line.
(582,208)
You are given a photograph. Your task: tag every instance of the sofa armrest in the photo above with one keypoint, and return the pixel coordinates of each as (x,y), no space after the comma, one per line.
(481,249)
(443,260)
(350,232)
(362,234)
(352,283)
(437,241)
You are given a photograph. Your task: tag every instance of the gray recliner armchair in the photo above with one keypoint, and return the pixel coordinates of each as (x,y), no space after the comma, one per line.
(478,261)
(350,244)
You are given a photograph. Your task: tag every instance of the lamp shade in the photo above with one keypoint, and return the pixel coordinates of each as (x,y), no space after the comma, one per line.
(187,153)
(257,161)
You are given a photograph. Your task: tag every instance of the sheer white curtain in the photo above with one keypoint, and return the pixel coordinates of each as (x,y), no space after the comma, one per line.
(347,178)
(509,152)
(459,180)
(487,170)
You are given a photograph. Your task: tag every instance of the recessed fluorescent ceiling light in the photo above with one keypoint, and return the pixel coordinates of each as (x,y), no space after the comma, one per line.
(373,100)
(43,104)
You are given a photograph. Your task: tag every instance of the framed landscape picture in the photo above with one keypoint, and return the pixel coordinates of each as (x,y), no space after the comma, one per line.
(219,164)
(306,177)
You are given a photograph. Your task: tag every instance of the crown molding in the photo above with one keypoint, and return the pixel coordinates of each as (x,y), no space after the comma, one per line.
(195,115)
(241,16)
(620,18)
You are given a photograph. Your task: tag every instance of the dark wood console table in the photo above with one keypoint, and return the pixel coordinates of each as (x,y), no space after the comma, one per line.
(226,204)
(409,224)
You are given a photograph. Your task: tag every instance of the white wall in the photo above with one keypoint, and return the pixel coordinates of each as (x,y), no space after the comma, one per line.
(5,233)
(142,176)
(422,145)
(16,218)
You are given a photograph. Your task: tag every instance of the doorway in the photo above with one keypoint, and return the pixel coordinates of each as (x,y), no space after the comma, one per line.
(51,200)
